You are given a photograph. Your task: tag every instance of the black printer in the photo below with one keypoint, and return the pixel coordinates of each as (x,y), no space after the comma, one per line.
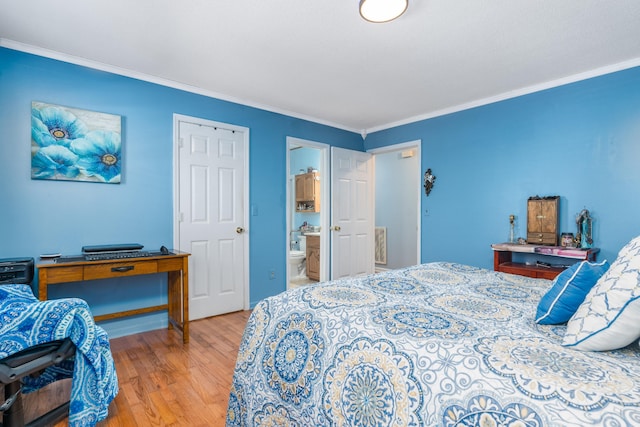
(16,270)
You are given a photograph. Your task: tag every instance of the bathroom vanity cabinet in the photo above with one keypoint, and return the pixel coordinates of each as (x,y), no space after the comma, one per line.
(308,192)
(313,257)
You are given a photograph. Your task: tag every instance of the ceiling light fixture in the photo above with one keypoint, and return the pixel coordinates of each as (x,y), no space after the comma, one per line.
(382,10)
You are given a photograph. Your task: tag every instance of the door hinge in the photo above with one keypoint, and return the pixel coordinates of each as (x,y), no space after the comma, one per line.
(181,217)
(180,142)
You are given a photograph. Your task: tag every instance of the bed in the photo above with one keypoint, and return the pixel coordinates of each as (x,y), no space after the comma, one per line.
(438,344)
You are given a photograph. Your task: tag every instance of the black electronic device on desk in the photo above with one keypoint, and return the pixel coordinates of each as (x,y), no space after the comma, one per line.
(106,253)
(16,270)
(120,247)
(121,251)
(113,252)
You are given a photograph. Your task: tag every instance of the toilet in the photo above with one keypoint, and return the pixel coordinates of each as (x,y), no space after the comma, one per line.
(297,268)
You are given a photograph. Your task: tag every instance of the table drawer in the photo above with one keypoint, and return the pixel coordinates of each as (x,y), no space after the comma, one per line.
(63,274)
(117,269)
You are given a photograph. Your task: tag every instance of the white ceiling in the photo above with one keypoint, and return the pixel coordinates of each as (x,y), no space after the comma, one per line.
(317,59)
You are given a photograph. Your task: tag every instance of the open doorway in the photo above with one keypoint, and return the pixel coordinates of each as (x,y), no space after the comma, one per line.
(397,170)
(397,205)
(308,207)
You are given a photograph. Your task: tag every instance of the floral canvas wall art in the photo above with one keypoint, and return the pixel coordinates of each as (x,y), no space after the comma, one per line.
(75,145)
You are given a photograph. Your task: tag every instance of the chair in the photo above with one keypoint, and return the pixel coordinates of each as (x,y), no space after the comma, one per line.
(29,362)
(32,361)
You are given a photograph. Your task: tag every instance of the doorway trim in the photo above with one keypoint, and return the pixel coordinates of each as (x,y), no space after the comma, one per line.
(325,209)
(177,118)
(410,145)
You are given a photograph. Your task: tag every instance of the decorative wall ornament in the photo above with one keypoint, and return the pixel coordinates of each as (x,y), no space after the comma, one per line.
(429,180)
(71,144)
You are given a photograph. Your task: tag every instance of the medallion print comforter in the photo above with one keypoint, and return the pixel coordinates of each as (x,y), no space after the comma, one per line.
(437,344)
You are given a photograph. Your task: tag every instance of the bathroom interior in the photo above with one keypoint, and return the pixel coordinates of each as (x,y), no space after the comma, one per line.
(305,209)
(398,182)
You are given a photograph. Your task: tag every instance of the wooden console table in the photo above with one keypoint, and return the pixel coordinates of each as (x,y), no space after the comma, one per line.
(176,265)
(503,253)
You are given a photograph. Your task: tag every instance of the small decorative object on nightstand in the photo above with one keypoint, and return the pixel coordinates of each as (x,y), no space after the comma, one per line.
(512,222)
(542,220)
(584,238)
(567,240)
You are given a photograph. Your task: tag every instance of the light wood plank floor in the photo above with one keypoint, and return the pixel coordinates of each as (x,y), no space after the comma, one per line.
(163,382)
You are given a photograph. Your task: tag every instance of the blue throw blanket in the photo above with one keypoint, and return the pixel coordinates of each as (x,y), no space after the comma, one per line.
(25,322)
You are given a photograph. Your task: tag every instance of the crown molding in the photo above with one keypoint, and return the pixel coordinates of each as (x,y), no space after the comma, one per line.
(59,56)
(193,89)
(514,93)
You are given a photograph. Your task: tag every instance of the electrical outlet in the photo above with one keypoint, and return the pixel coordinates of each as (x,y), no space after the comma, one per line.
(272,274)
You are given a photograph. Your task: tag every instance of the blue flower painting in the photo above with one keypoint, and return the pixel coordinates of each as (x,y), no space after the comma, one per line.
(75,145)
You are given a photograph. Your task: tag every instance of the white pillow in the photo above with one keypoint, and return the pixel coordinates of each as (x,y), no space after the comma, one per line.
(608,317)
(633,247)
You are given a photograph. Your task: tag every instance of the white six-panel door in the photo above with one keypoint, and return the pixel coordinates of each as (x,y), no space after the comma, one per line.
(211,216)
(352,213)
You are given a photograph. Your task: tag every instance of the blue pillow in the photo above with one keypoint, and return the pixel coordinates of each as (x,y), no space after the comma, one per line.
(568,291)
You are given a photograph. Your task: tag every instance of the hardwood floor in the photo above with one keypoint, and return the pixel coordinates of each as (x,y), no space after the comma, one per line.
(165,383)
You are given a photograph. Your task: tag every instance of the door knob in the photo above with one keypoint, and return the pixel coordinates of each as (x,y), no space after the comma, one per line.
(239,230)
(336,228)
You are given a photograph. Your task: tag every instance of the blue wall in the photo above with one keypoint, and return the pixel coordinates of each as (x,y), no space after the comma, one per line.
(580,141)
(54,216)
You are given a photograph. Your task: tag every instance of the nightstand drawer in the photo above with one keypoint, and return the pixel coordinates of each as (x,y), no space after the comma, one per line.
(103,271)
(541,238)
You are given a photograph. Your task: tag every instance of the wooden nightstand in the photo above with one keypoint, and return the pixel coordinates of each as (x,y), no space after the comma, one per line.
(503,259)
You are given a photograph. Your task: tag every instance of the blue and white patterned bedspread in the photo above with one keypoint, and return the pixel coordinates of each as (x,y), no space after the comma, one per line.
(25,322)
(437,344)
